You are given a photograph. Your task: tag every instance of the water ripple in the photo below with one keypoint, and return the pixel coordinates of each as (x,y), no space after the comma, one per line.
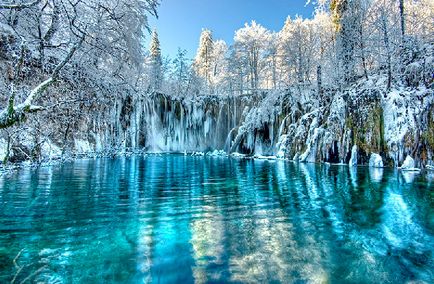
(183,219)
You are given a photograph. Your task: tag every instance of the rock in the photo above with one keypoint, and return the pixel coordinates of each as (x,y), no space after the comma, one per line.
(3,149)
(375,161)
(82,146)
(217,153)
(50,151)
(353,160)
(408,163)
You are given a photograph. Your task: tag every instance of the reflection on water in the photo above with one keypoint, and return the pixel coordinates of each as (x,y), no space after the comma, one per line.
(166,219)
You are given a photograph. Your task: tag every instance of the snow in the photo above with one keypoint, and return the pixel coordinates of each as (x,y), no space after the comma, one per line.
(217,153)
(3,149)
(401,107)
(261,157)
(312,142)
(50,151)
(281,154)
(238,155)
(408,163)
(353,160)
(82,146)
(6,29)
(375,161)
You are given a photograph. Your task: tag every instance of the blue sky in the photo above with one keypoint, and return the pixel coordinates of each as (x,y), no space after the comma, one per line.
(180,22)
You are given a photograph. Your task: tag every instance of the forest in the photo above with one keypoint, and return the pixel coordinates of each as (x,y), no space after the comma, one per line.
(77,78)
(303,154)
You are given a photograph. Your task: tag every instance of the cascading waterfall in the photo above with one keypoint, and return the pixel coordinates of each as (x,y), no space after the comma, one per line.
(282,124)
(164,124)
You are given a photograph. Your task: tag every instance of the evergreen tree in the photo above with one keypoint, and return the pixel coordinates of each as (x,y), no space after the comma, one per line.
(155,62)
(204,57)
(181,72)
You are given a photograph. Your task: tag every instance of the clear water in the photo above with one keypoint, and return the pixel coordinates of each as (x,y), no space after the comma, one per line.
(177,219)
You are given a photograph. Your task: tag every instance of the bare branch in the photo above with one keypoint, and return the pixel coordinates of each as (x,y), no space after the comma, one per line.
(19,6)
(13,114)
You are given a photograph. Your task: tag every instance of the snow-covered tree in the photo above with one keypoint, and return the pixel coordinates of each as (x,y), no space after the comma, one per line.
(203,62)
(250,44)
(155,62)
(347,19)
(91,44)
(219,65)
(181,73)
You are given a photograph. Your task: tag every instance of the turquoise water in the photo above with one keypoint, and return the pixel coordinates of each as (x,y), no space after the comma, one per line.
(178,219)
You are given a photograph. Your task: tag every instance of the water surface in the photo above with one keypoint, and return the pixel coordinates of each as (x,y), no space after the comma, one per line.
(173,218)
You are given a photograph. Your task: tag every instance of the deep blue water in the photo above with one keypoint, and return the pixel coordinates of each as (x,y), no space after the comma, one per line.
(178,219)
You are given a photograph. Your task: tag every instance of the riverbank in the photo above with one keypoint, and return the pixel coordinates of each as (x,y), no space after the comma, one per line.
(13,167)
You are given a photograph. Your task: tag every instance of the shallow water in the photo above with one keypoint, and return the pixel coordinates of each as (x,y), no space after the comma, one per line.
(173,218)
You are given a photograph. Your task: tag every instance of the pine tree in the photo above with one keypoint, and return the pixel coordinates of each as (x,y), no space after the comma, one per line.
(204,57)
(181,72)
(155,62)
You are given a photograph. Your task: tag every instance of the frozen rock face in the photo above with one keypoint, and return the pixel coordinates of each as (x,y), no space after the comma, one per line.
(336,126)
(353,160)
(50,151)
(395,123)
(260,130)
(340,127)
(375,161)
(408,163)
(3,149)
(161,123)
(409,124)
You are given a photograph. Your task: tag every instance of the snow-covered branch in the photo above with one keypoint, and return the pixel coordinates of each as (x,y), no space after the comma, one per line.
(19,6)
(13,114)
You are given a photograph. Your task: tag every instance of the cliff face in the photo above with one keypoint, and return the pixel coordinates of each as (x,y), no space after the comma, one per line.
(294,124)
(394,124)
(302,125)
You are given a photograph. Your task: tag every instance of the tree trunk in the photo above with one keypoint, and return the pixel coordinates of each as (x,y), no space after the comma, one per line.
(388,55)
(319,80)
(402,18)
(362,50)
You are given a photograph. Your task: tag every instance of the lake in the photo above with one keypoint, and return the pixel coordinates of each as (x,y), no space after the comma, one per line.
(183,219)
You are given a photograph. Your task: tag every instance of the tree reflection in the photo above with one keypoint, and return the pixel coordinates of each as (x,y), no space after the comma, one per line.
(176,218)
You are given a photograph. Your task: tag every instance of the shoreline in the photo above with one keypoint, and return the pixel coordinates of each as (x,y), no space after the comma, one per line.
(12,167)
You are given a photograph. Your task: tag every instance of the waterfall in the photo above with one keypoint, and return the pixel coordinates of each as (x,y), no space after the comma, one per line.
(159,123)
